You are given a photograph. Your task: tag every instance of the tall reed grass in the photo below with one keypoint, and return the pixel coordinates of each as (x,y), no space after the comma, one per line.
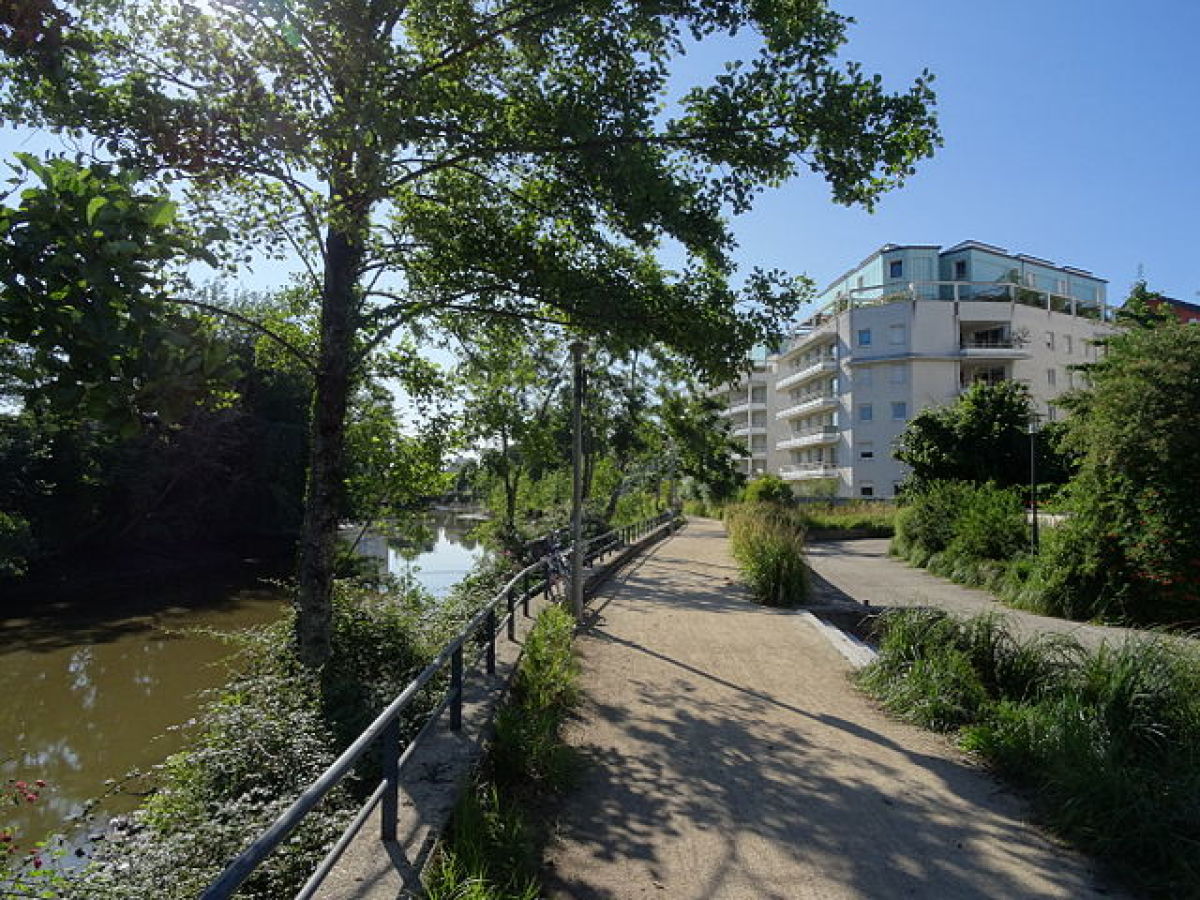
(1108,741)
(767,540)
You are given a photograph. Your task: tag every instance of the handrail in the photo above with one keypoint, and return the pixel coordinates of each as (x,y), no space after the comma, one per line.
(387,724)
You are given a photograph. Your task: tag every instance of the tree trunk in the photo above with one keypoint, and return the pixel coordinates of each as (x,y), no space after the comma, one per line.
(326,470)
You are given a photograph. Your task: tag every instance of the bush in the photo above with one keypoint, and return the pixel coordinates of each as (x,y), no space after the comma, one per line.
(767,489)
(16,545)
(768,543)
(1108,741)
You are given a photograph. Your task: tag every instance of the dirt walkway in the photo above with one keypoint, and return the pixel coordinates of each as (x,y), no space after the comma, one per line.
(862,571)
(727,756)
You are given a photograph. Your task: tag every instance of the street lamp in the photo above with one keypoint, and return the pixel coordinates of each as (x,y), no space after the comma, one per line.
(577,350)
(1034,421)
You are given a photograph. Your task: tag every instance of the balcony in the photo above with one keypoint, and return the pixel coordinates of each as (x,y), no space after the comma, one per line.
(809,404)
(827,365)
(748,430)
(747,407)
(806,339)
(993,348)
(970,292)
(815,437)
(805,471)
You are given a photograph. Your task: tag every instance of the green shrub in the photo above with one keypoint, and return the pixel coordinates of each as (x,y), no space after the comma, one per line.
(1108,741)
(767,489)
(16,545)
(927,521)
(990,524)
(768,543)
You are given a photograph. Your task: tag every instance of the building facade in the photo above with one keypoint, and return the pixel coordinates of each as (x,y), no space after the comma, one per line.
(911,327)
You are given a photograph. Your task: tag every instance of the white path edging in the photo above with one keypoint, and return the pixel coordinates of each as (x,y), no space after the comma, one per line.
(857,653)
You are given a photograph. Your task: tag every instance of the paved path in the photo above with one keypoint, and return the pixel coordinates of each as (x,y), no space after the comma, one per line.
(728,756)
(862,571)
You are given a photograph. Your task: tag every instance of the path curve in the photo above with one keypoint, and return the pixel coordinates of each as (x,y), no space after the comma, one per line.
(862,571)
(728,756)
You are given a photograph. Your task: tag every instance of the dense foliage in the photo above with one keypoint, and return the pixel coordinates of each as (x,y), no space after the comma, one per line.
(983,436)
(1131,547)
(1106,740)
(510,161)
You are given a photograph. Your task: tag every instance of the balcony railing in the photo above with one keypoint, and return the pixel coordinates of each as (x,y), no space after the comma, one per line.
(802,471)
(811,370)
(968,291)
(748,430)
(812,437)
(806,404)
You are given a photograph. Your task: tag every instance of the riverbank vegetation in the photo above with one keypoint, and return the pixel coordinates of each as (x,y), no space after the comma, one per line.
(259,741)
(1127,548)
(492,850)
(1106,741)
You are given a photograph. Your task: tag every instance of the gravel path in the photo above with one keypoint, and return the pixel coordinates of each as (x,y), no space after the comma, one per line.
(728,756)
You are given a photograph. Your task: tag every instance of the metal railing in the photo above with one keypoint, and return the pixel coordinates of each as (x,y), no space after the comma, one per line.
(537,578)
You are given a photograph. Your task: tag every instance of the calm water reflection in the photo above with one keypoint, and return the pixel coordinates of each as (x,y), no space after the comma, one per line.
(95,682)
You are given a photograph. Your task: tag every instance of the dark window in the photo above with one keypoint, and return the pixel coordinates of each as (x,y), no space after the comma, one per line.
(866,491)
(896,268)
(960,270)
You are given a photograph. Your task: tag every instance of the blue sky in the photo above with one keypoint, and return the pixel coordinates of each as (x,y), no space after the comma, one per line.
(1071,133)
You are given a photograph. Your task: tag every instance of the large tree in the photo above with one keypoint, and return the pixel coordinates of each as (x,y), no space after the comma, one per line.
(476,157)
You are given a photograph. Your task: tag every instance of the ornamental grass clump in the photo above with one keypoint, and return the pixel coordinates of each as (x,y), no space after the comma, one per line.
(1108,741)
(767,540)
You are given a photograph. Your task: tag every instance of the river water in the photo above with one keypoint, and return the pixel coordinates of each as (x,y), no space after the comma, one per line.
(96,680)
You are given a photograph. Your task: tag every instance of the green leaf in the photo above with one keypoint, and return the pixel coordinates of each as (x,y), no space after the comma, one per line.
(163,213)
(93,207)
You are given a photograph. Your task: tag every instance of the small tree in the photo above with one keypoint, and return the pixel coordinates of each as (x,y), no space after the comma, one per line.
(983,436)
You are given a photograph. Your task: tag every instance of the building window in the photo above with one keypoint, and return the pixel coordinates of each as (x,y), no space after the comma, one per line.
(864,337)
(960,270)
(898,373)
(896,334)
(1049,340)
(866,450)
(866,412)
(1051,377)
(1067,344)
(896,268)
(866,490)
(899,410)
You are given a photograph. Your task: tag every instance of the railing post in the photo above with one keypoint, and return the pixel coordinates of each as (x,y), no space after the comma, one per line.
(512,615)
(389,811)
(490,625)
(525,600)
(456,689)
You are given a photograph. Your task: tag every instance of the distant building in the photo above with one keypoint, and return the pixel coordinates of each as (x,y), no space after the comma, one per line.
(1187,313)
(910,327)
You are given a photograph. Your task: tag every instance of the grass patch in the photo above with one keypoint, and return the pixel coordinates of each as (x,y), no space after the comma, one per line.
(1107,741)
(875,519)
(767,540)
(493,848)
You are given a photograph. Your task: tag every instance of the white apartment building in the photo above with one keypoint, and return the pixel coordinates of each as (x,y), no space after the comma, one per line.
(908,328)
(749,414)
